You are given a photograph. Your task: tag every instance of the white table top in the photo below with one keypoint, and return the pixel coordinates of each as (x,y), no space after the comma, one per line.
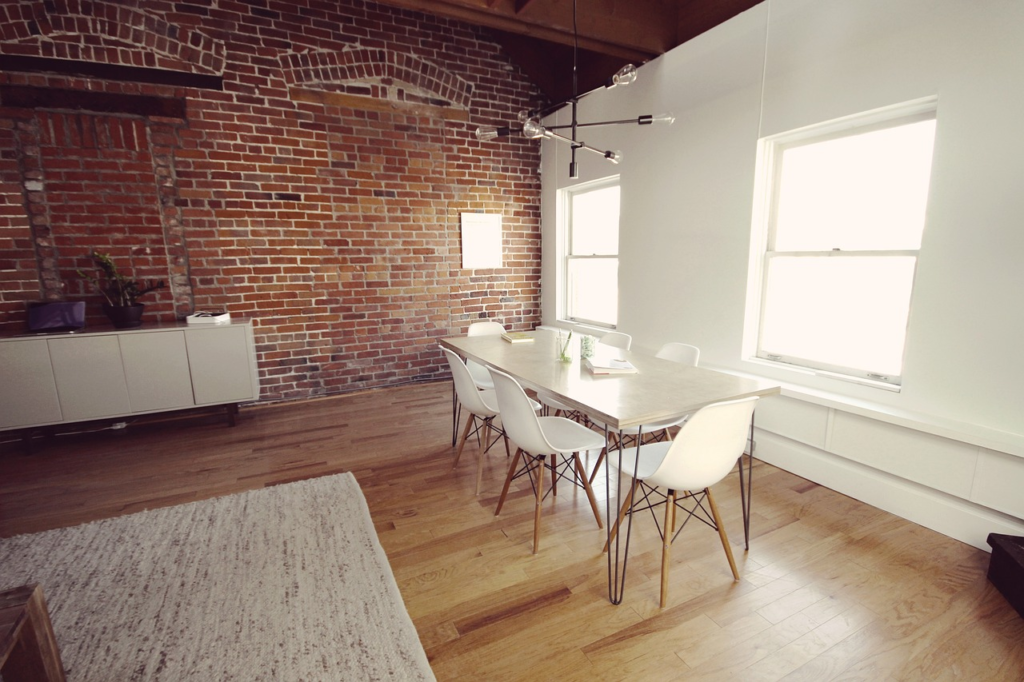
(660,390)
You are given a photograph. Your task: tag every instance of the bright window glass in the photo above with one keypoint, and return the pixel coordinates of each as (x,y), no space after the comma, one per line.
(864,191)
(844,312)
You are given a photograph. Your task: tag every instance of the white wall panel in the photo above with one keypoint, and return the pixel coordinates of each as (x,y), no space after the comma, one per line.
(999,482)
(795,419)
(956,518)
(939,463)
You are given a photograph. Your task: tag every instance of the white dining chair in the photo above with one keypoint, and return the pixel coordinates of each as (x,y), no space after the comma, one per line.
(684,354)
(702,454)
(479,373)
(481,377)
(617,340)
(482,407)
(537,439)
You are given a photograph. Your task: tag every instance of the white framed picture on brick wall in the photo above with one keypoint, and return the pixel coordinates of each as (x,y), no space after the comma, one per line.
(481,240)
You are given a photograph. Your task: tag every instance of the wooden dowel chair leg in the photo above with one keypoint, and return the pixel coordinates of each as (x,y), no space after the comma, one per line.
(597,464)
(483,453)
(582,474)
(622,514)
(462,441)
(508,480)
(721,534)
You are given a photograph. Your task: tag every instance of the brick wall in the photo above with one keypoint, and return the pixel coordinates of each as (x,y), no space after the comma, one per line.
(306,166)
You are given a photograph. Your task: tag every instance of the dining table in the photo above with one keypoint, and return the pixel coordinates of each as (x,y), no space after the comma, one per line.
(659,390)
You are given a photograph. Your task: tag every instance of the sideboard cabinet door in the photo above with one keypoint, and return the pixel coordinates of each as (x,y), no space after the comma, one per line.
(218,357)
(90,377)
(156,370)
(28,394)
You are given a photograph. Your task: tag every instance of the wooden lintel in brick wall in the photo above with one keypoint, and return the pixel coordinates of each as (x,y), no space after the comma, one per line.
(27,97)
(357,102)
(110,72)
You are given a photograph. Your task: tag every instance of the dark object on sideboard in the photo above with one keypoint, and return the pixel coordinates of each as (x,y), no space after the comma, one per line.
(53,317)
(1006,568)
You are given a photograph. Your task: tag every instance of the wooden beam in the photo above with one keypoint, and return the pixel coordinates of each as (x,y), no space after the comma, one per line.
(110,72)
(26,97)
(634,35)
(696,17)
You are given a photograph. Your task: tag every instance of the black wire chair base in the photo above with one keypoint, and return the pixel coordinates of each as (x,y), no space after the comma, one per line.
(652,498)
(560,472)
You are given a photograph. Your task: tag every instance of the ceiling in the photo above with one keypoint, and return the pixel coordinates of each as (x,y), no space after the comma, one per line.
(538,34)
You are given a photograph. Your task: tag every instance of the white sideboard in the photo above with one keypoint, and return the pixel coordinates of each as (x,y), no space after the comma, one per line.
(63,378)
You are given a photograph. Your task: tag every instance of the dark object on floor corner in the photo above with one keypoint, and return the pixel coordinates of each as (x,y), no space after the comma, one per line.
(1006,568)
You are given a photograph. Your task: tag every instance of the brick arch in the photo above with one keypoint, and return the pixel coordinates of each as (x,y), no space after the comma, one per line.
(378,73)
(161,44)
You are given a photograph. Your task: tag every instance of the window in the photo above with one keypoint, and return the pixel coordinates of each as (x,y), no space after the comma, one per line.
(591,274)
(845,220)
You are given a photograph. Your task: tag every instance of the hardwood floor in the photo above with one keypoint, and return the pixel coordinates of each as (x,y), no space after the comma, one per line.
(831,589)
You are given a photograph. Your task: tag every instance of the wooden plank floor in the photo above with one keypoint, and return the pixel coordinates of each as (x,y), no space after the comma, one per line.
(832,589)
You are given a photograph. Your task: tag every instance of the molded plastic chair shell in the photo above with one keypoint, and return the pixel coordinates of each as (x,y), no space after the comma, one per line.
(480,375)
(536,439)
(704,451)
(682,353)
(617,340)
(539,435)
(481,403)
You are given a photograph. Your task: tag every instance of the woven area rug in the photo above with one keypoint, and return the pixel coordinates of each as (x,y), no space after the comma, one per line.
(283,583)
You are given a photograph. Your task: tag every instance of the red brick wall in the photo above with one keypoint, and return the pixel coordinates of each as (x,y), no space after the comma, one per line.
(318,192)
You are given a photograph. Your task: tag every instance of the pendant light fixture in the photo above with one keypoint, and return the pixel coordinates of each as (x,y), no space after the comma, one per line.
(529,124)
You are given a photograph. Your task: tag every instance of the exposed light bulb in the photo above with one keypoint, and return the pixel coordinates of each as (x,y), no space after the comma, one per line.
(615,157)
(484,133)
(533,130)
(624,76)
(524,115)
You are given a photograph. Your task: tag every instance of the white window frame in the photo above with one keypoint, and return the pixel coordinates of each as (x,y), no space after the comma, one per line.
(766,197)
(566,223)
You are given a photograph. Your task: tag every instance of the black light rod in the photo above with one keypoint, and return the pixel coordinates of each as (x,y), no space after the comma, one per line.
(639,120)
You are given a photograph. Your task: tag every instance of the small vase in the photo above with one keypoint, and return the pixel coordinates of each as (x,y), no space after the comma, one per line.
(124,317)
(563,347)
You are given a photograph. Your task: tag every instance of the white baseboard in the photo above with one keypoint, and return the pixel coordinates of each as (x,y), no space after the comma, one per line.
(951,516)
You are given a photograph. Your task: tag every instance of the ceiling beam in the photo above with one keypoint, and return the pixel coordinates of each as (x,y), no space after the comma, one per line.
(697,16)
(633,32)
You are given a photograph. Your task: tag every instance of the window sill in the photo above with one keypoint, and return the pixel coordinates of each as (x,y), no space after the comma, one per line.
(973,434)
(860,381)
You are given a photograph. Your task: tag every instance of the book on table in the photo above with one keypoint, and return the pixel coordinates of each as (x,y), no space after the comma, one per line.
(610,366)
(517,337)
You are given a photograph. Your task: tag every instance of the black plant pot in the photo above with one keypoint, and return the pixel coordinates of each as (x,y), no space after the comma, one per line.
(124,317)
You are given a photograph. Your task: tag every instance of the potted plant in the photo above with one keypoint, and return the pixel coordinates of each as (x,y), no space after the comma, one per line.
(120,292)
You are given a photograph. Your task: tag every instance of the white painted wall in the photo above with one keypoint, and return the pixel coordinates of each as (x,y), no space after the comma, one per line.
(687,196)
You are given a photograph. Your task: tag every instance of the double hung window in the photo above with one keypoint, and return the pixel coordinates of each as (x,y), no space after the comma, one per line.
(591,265)
(846,213)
